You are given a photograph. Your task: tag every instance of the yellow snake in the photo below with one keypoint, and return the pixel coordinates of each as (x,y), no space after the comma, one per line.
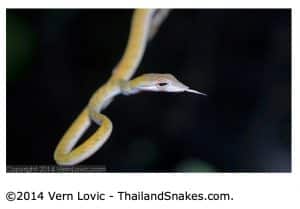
(144,25)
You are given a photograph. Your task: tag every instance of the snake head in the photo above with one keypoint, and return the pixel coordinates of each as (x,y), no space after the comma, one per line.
(161,83)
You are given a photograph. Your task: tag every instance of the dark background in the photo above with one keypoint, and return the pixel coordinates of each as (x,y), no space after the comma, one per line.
(56,59)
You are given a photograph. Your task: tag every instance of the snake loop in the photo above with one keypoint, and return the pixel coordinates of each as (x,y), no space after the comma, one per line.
(64,153)
(143,27)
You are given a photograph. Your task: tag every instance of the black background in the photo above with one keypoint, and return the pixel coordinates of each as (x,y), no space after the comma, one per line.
(56,59)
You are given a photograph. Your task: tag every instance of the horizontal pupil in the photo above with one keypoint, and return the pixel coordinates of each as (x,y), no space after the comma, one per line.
(162,84)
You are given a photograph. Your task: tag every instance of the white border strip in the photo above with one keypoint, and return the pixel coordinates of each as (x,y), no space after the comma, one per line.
(250,190)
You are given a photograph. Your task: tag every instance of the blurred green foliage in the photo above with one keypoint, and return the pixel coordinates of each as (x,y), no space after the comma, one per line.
(20,43)
(142,153)
(194,165)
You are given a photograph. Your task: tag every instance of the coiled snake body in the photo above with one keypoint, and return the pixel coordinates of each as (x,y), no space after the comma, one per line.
(143,27)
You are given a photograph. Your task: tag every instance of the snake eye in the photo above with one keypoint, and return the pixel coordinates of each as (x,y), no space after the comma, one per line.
(162,84)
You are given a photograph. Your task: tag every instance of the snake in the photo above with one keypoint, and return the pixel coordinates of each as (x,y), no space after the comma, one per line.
(144,26)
